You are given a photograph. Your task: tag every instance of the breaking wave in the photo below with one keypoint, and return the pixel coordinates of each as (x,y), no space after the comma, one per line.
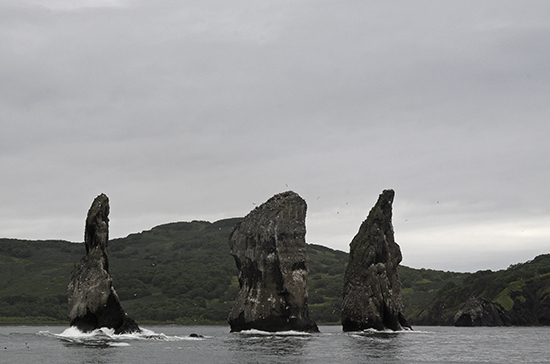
(384,333)
(106,337)
(254,332)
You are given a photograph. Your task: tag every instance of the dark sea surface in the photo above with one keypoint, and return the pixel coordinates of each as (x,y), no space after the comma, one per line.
(172,344)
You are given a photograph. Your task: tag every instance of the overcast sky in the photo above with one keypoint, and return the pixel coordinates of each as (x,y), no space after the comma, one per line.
(198,110)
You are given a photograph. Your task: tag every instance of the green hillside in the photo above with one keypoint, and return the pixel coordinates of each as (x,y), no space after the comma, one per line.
(175,273)
(523,290)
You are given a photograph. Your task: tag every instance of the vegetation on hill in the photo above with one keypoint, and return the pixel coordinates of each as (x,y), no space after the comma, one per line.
(523,290)
(174,273)
(34,280)
(419,287)
(183,273)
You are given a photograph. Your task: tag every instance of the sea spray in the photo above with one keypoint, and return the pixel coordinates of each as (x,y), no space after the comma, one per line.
(105,336)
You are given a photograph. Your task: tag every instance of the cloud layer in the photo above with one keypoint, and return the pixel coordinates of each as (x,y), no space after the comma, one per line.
(199,110)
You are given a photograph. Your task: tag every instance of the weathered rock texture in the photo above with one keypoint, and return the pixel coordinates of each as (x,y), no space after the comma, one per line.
(92,300)
(270,252)
(479,311)
(372,288)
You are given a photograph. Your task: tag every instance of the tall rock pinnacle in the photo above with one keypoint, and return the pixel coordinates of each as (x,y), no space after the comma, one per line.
(372,288)
(92,300)
(270,253)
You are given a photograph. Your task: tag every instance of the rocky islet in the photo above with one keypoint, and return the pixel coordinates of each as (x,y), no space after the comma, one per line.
(92,300)
(270,254)
(371,295)
(269,249)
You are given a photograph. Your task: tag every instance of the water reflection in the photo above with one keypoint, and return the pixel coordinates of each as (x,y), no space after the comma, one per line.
(426,344)
(265,348)
(374,345)
(83,354)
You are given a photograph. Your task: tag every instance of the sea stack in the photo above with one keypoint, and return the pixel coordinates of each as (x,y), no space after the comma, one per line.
(372,288)
(269,248)
(92,300)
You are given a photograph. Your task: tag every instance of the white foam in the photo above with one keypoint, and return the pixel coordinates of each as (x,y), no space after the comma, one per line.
(385,331)
(106,336)
(147,334)
(375,332)
(254,332)
(73,332)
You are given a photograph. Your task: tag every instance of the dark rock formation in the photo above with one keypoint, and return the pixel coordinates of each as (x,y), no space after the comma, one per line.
(519,295)
(478,311)
(372,288)
(270,252)
(92,300)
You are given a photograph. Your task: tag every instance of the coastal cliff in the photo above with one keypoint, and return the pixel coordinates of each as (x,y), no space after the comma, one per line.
(519,295)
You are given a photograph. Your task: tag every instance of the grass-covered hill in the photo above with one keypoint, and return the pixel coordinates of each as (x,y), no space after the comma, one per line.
(523,291)
(180,273)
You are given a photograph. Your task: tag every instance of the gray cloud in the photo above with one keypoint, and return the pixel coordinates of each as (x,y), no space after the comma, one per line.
(198,110)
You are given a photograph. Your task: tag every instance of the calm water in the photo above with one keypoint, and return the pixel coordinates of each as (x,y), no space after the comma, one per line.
(172,344)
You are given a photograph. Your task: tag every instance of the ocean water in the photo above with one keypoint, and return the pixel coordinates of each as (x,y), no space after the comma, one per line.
(173,344)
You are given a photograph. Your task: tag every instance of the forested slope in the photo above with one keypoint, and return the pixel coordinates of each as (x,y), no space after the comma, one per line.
(177,273)
(523,291)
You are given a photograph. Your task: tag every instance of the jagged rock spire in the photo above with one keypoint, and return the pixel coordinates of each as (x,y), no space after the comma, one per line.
(92,300)
(372,288)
